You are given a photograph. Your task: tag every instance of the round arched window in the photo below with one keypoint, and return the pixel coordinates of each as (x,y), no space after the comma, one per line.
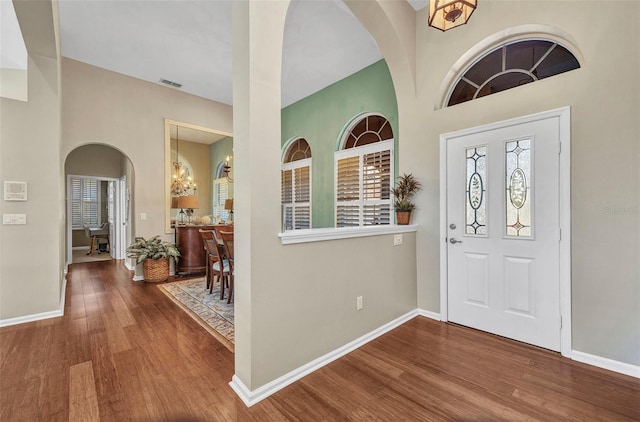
(511,65)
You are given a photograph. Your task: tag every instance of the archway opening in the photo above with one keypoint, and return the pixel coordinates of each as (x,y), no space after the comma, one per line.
(99,182)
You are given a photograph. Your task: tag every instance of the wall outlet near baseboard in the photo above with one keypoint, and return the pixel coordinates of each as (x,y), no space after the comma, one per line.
(359,303)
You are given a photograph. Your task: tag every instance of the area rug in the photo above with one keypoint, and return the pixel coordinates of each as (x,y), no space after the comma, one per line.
(213,314)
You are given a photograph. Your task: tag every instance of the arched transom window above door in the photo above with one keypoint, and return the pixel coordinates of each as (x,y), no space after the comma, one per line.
(510,65)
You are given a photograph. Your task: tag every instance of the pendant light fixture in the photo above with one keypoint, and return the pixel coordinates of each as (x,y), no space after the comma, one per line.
(447,14)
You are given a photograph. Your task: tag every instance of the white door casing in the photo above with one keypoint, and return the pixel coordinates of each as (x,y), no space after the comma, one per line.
(112,211)
(505,277)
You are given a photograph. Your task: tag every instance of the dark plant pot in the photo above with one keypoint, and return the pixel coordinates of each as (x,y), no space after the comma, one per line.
(403,217)
(155,270)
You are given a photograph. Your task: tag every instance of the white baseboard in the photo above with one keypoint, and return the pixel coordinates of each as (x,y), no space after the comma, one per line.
(429,314)
(43,315)
(30,318)
(80,248)
(252,397)
(605,363)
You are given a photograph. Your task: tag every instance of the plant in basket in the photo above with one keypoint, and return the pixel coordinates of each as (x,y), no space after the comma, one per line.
(154,255)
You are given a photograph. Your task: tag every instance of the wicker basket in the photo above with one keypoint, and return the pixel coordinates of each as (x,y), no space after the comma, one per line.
(155,270)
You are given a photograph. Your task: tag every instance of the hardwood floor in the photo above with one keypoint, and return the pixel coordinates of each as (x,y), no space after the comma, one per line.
(124,352)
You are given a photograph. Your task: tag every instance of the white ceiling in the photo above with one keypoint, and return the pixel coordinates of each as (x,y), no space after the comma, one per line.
(13,53)
(189,42)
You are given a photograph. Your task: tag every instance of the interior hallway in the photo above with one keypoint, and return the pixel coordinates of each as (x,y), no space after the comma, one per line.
(124,351)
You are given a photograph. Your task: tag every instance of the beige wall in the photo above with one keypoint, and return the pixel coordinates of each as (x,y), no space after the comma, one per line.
(95,160)
(297,302)
(604,97)
(31,255)
(100,106)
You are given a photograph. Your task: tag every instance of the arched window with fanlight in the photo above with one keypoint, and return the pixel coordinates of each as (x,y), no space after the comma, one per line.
(296,185)
(364,173)
(510,65)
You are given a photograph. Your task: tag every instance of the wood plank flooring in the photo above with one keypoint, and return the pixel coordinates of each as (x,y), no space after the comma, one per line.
(124,352)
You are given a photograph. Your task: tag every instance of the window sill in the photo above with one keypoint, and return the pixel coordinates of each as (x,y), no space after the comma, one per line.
(333,233)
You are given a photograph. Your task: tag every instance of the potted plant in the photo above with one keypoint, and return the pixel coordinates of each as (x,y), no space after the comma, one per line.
(154,255)
(406,187)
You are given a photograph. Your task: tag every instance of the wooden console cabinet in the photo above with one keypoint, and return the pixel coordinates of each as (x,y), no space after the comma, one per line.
(193,257)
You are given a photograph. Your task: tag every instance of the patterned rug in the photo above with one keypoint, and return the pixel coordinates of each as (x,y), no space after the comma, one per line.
(213,314)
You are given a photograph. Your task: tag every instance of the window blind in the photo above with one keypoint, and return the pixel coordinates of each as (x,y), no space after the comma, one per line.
(85,202)
(363,185)
(296,195)
(220,195)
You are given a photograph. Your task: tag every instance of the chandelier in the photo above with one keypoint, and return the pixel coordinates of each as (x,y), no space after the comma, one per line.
(181,183)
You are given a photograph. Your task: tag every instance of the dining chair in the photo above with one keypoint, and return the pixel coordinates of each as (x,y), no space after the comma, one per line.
(217,266)
(227,240)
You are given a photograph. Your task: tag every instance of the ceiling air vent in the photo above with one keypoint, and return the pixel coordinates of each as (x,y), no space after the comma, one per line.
(170,83)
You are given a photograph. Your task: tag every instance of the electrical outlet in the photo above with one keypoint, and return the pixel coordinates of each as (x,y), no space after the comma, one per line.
(359,303)
(397,239)
(143,216)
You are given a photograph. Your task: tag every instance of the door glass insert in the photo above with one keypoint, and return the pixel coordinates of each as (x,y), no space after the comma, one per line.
(518,188)
(476,204)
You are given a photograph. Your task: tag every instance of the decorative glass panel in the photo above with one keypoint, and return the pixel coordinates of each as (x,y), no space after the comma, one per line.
(476,204)
(518,188)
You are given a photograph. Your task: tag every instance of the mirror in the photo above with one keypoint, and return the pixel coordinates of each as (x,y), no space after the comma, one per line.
(198,157)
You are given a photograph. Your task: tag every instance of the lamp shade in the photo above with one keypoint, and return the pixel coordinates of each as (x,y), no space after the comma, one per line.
(174,202)
(188,202)
(228,204)
(447,14)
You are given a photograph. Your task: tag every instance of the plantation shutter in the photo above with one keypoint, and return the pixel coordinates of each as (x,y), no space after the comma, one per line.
(85,202)
(376,188)
(90,202)
(302,197)
(296,195)
(363,185)
(220,195)
(348,192)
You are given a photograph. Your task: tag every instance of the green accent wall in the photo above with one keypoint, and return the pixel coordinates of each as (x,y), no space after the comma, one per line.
(218,152)
(321,118)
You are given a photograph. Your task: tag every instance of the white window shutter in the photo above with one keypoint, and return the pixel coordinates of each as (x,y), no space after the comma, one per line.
(220,195)
(296,194)
(363,185)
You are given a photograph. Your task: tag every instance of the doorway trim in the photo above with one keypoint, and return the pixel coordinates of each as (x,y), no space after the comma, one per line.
(564,150)
(116,243)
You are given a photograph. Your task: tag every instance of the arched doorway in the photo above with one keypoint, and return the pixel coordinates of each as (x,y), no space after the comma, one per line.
(99,183)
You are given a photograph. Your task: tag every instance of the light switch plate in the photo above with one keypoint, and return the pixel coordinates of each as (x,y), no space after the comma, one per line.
(14,218)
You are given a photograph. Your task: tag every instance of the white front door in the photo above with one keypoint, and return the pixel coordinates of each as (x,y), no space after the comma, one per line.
(503,230)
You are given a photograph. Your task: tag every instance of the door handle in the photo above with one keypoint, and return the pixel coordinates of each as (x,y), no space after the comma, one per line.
(453,241)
